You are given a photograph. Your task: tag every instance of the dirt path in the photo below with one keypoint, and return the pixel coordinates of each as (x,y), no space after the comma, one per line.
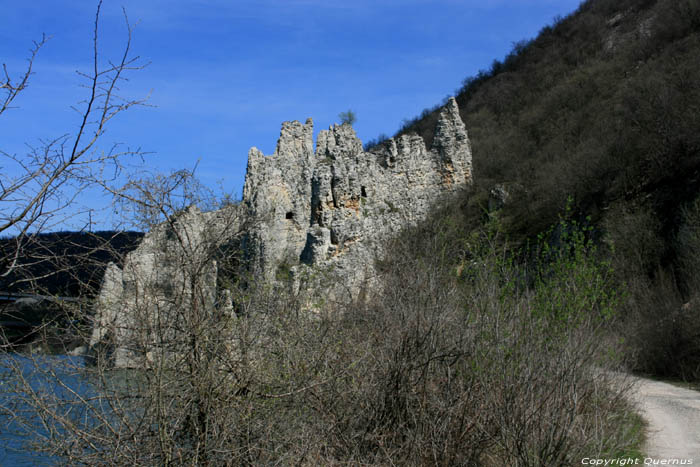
(673,414)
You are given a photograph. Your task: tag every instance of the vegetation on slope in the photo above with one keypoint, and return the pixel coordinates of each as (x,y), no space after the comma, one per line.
(462,354)
(604,106)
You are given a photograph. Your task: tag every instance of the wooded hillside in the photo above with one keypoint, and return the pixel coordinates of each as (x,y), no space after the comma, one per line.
(603,107)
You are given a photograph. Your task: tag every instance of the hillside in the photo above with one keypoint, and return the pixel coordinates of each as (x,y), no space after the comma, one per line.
(603,107)
(68,264)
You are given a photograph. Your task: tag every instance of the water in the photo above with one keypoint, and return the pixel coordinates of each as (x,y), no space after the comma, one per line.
(57,381)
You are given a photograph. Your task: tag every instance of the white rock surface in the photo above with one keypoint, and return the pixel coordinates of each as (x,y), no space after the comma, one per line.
(302,210)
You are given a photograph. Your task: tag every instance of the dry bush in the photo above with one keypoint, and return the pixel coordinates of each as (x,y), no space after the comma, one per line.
(462,357)
(660,329)
(463,364)
(210,378)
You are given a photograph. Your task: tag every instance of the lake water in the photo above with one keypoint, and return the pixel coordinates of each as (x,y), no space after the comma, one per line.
(35,378)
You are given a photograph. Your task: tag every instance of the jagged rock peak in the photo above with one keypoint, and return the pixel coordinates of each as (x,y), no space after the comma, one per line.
(450,125)
(452,144)
(296,140)
(337,142)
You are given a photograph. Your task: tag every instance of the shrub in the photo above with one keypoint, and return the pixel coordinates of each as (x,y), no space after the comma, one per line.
(456,360)
(347,118)
(462,354)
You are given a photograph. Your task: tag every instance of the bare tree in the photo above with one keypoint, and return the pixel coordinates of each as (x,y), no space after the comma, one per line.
(39,190)
(12,87)
(191,404)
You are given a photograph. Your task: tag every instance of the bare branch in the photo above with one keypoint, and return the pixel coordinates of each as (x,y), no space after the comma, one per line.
(13,88)
(39,186)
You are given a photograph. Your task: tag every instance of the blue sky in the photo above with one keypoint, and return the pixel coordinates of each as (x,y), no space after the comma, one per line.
(223,75)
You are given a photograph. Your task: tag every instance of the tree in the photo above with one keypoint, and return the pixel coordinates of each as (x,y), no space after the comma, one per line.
(38,190)
(191,405)
(348,117)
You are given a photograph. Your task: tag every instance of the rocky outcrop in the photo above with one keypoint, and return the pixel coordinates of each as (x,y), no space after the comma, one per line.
(335,206)
(302,210)
(140,308)
(360,199)
(277,194)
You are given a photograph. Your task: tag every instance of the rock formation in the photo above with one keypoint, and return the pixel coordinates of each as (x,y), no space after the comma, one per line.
(331,207)
(302,210)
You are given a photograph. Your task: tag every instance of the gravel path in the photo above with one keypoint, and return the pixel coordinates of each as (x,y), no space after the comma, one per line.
(673,414)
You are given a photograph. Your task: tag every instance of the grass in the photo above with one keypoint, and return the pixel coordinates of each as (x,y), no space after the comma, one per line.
(638,429)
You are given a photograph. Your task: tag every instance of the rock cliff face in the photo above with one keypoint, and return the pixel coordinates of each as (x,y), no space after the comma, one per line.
(302,210)
(335,206)
(173,269)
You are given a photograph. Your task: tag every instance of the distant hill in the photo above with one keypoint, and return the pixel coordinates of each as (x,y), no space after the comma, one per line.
(67,264)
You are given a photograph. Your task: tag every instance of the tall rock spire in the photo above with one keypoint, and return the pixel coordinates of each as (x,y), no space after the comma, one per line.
(452,144)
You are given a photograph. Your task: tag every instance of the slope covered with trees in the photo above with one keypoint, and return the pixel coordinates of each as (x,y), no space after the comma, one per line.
(603,106)
(68,264)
